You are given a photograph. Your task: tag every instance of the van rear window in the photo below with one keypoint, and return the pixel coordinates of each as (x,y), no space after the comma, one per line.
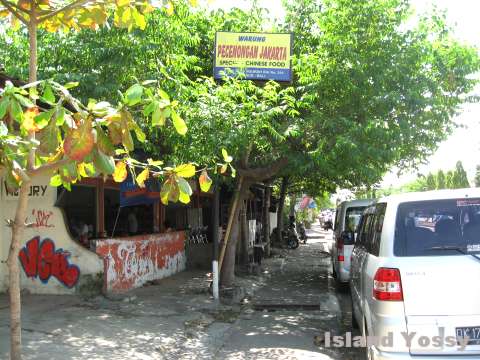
(438,227)
(352,217)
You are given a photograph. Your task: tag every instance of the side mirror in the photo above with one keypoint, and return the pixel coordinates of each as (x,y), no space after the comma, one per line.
(348,237)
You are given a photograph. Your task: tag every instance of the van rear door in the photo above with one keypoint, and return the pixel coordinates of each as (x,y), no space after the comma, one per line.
(439,243)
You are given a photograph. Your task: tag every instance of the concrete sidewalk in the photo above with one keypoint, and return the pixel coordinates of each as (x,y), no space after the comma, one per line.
(174,319)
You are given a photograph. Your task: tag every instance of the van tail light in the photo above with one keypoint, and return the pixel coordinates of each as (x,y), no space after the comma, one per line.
(340,250)
(387,285)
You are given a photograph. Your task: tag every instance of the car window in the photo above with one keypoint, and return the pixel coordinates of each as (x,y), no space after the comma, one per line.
(364,230)
(358,238)
(376,230)
(352,218)
(337,219)
(424,226)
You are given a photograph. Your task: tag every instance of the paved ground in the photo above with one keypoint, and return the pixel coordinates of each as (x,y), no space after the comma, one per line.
(295,300)
(300,301)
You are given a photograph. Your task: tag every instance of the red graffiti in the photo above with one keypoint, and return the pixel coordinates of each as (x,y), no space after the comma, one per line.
(40,259)
(42,218)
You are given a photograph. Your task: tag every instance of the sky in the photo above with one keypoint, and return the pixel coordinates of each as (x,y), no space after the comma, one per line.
(464,143)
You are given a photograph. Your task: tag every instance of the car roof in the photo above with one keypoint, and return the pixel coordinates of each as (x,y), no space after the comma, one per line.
(432,195)
(359,202)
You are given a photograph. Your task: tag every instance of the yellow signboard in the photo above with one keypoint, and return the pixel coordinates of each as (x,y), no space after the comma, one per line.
(259,56)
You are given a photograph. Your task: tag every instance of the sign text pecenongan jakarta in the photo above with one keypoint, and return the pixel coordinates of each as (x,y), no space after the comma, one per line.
(259,56)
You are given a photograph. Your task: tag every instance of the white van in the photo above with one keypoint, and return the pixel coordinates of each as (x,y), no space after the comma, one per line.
(416,276)
(347,218)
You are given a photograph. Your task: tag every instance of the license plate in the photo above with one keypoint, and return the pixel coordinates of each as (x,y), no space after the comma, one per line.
(472,332)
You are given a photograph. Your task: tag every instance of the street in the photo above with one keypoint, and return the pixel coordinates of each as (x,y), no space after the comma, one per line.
(292,302)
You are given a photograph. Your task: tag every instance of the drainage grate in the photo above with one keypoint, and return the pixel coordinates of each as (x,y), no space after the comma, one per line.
(288,307)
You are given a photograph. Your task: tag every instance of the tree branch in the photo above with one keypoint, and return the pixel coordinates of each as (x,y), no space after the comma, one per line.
(71,6)
(11,7)
(44,169)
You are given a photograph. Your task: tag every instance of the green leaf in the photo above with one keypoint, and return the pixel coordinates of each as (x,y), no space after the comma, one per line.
(158,116)
(103,142)
(3,107)
(163,94)
(149,108)
(56,180)
(70,85)
(16,110)
(185,170)
(138,132)
(184,186)
(3,129)
(142,177)
(179,124)
(205,181)
(184,198)
(33,93)
(154,162)
(134,94)
(60,116)
(43,119)
(49,138)
(105,164)
(48,95)
(25,102)
(227,158)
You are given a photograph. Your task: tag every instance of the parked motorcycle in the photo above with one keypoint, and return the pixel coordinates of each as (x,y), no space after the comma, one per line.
(289,238)
(302,234)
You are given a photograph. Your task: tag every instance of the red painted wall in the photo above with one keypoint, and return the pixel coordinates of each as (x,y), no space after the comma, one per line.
(132,261)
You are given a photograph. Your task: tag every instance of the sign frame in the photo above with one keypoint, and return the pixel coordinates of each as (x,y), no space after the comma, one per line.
(235,70)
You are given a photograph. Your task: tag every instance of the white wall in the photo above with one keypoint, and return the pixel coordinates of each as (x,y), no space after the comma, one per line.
(273,221)
(49,224)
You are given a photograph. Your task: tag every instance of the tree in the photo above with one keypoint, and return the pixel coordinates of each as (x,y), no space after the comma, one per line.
(450,179)
(430,182)
(460,178)
(364,88)
(441,181)
(45,130)
(477,176)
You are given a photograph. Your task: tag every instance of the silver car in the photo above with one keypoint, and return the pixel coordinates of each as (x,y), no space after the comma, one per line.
(415,281)
(347,218)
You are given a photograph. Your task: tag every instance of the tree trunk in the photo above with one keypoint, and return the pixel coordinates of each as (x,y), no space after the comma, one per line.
(247,177)
(281,205)
(293,200)
(14,273)
(18,225)
(266,219)
(32,39)
(228,267)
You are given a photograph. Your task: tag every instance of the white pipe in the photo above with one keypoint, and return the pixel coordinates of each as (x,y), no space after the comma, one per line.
(215,279)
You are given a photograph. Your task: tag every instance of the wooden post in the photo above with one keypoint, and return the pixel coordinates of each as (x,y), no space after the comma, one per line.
(156,216)
(100,207)
(233,211)
(266,219)
(162,217)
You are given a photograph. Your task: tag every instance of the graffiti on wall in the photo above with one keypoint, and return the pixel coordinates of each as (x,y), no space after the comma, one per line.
(131,262)
(40,259)
(42,218)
